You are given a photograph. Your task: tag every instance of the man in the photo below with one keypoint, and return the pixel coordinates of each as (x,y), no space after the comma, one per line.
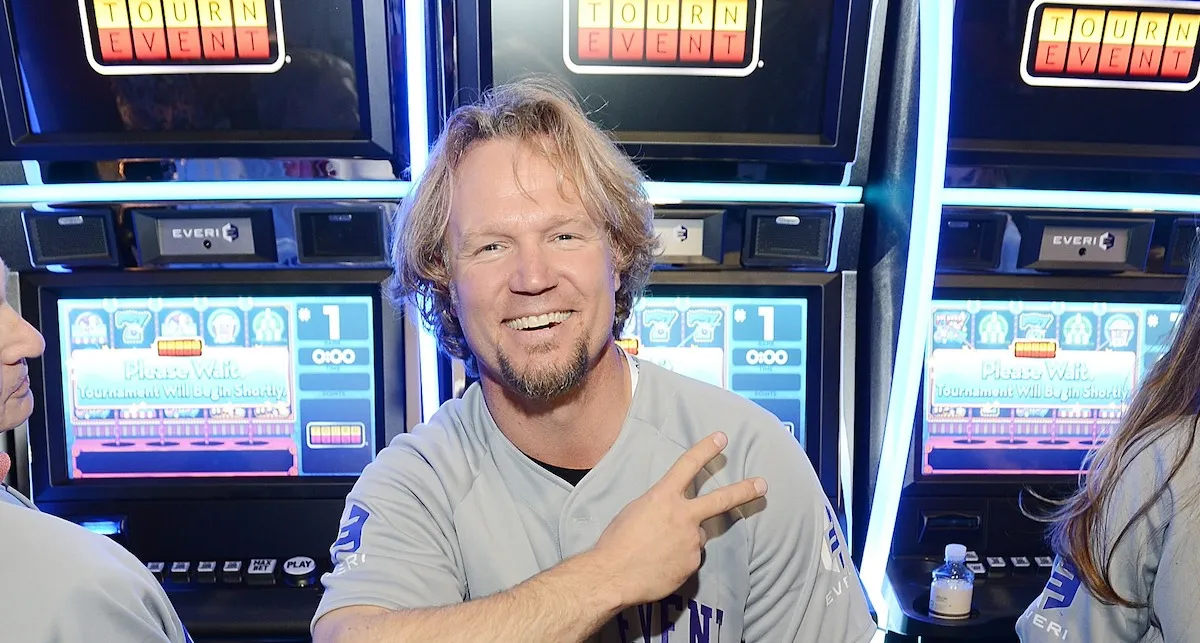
(60,583)
(574,493)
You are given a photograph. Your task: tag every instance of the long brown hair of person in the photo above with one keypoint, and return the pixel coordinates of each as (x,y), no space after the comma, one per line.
(1169,392)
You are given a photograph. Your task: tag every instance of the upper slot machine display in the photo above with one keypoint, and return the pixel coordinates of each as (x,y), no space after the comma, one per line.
(104,80)
(1085,95)
(711,80)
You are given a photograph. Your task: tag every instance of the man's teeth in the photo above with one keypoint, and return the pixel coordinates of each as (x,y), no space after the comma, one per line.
(537,321)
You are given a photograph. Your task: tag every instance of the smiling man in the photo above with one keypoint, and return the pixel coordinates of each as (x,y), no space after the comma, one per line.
(574,493)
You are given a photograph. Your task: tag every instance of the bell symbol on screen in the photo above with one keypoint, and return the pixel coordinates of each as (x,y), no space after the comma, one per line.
(659,321)
(268,327)
(1077,331)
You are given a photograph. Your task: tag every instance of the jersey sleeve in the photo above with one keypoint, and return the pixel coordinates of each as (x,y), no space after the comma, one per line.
(1067,610)
(393,548)
(134,608)
(63,583)
(803,586)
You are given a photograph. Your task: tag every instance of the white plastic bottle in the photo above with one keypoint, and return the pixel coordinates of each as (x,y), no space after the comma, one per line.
(952,587)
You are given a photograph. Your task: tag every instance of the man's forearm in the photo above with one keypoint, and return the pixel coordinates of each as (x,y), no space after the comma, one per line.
(569,602)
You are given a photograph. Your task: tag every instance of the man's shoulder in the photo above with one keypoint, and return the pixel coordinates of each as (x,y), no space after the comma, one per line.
(444,452)
(57,549)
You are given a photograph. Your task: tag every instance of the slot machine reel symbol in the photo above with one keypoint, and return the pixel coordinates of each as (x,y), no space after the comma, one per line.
(1119,331)
(224,326)
(89,329)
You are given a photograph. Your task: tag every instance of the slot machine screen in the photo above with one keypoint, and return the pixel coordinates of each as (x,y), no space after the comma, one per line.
(202,78)
(1030,387)
(217,386)
(757,347)
(1084,77)
(694,72)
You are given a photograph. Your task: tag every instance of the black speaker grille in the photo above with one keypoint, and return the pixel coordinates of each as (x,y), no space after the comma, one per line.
(804,240)
(1185,242)
(62,239)
(341,235)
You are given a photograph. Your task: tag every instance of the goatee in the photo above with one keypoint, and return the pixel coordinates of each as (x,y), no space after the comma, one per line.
(545,384)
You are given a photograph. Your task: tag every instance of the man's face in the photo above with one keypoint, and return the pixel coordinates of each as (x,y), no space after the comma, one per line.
(532,275)
(18,342)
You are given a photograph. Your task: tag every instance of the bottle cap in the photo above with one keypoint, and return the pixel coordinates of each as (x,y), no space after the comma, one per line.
(956,553)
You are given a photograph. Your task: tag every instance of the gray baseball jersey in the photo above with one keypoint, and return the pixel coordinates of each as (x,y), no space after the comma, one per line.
(454,511)
(1155,563)
(60,583)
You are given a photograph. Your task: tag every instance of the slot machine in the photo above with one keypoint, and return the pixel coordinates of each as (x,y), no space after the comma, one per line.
(212,423)
(212,186)
(751,121)
(1067,223)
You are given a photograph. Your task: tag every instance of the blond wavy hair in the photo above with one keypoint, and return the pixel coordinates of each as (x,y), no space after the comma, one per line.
(546,116)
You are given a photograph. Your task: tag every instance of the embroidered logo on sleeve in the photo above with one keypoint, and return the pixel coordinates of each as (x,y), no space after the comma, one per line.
(1063,585)
(344,550)
(833,555)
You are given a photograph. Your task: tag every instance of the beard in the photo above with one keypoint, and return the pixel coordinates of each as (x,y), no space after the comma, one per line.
(551,381)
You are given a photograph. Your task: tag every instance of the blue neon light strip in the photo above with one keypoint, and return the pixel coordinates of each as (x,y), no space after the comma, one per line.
(933,110)
(203,191)
(389,190)
(1016,198)
(418,137)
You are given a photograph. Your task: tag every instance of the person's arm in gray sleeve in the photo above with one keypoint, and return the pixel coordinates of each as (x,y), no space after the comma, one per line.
(85,588)
(396,576)
(1067,610)
(803,585)
(123,606)
(393,549)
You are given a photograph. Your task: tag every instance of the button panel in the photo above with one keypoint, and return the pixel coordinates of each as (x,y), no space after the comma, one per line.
(297,571)
(1029,568)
